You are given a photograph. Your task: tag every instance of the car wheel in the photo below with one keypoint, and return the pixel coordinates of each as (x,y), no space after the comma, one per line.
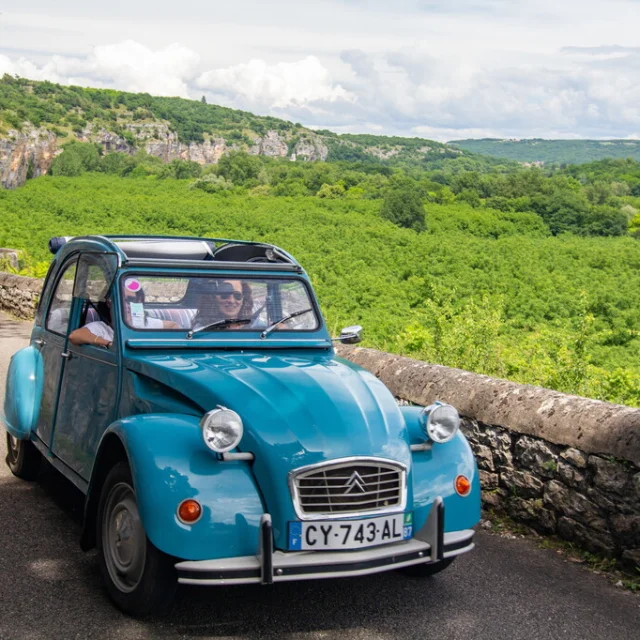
(23,458)
(426,570)
(140,578)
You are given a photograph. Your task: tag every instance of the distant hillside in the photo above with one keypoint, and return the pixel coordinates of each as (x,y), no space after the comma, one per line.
(38,118)
(552,151)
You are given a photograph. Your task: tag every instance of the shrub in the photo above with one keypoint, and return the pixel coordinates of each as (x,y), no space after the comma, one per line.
(331,191)
(211,183)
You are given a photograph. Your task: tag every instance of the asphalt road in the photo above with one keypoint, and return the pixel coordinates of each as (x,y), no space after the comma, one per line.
(505,588)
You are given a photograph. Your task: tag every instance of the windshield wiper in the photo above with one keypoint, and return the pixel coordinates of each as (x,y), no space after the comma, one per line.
(271,327)
(218,324)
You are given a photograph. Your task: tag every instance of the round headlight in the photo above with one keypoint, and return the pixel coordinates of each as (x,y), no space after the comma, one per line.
(221,429)
(442,422)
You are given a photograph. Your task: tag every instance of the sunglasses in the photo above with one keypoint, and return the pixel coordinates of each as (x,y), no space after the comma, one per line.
(225,296)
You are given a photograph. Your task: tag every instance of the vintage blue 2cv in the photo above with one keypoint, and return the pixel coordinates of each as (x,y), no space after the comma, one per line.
(190,389)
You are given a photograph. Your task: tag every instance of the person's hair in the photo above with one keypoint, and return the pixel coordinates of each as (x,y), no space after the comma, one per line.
(103,311)
(138,296)
(247,301)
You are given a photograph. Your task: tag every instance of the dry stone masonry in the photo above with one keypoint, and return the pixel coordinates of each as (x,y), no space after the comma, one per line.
(560,464)
(19,295)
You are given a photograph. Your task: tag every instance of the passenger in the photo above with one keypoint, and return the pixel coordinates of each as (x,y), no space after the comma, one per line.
(228,300)
(100,332)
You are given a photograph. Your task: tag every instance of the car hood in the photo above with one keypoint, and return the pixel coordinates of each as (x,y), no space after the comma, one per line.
(296,409)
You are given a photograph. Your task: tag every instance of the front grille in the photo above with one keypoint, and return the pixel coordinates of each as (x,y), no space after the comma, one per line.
(354,486)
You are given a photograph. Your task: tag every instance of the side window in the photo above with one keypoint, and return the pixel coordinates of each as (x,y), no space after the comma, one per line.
(93,282)
(96,272)
(60,307)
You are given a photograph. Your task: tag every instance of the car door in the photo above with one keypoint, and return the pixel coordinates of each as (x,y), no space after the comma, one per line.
(89,388)
(50,338)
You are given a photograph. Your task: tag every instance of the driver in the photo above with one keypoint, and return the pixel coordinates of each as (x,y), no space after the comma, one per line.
(228,300)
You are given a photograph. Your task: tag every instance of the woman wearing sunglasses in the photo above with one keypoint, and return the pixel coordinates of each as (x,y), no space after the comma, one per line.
(227,301)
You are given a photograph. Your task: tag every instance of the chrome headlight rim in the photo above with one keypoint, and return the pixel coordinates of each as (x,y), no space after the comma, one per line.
(206,424)
(430,415)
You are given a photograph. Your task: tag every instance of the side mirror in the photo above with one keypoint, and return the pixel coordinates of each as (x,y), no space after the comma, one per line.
(351,335)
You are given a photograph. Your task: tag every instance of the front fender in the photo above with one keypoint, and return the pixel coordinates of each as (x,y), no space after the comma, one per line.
(23,392)
(434,473)
(170,462)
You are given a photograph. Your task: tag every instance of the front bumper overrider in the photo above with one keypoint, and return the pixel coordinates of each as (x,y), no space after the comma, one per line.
(431,544)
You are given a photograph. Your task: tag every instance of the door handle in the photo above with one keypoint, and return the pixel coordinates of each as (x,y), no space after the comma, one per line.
(66,354)
(39,342)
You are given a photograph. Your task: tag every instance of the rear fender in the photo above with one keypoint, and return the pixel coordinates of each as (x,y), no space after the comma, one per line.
(23,392)
(169,462)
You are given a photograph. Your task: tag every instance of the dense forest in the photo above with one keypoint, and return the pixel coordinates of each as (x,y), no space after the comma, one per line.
(480,289)
(552,151)
(599,199)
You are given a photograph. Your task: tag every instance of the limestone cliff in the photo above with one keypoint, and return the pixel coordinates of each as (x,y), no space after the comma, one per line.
(26,154)
(30,153)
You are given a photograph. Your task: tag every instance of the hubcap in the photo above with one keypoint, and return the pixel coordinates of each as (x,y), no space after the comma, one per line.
(123,538)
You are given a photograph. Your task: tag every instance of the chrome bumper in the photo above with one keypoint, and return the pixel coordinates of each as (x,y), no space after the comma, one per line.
(430,544)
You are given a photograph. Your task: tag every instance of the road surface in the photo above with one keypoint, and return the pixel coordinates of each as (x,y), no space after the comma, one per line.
(505,588)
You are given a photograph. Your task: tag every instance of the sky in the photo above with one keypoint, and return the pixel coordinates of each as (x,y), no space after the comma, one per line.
(437,69)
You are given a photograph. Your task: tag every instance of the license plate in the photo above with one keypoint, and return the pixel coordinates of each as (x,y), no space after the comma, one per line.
(317,535)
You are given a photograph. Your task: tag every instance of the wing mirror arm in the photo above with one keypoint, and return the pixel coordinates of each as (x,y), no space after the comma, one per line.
(350,335)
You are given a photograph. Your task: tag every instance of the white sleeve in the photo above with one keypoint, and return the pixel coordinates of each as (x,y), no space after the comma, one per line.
(100,329)
(153,323)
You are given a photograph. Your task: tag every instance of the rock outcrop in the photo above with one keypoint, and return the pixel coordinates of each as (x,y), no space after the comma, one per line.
(30,153)
(310,149)
(26,154)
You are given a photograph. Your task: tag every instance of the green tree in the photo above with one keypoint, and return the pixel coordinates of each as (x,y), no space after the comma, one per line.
(76,158)
(563,210)
(240,168)
(403,206)
(182,169)
(331,191)
(114,163)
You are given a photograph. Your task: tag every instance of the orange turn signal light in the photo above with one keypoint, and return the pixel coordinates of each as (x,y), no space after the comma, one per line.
(189,511)
(463,486)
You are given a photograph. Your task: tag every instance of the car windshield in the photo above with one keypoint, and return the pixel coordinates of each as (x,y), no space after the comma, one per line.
(199,304)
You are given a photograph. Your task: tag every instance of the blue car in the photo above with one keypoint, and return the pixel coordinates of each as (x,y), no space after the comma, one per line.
(190,389)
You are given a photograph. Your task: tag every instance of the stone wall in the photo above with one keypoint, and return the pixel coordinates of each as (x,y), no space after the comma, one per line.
(560,464)
(19,295)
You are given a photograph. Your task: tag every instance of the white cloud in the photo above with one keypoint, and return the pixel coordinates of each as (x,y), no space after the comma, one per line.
(575,93)
(128,65)
(276,86)
(500,68)
(134,67)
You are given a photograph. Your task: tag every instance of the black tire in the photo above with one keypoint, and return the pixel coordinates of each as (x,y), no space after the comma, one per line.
(23,458)
(426,570)
(140,578)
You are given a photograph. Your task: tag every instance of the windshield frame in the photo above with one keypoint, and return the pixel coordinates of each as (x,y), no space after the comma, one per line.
(235,334)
